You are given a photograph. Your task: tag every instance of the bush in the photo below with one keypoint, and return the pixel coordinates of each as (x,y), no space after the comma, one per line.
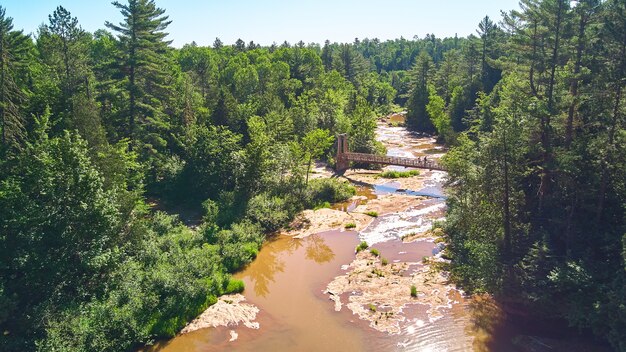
(270,212)
(375,252)
(408,235)
(399,174)
(350,225)
(324,205)
(361,247)
(234,286)
(373,214)
(372,308)
(413,291)
(327,190)
(384,261)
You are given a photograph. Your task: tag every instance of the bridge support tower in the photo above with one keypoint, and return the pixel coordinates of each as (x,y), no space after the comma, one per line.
(342,163)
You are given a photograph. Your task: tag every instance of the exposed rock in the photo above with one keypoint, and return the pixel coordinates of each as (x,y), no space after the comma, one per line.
(228,311)
(379,293)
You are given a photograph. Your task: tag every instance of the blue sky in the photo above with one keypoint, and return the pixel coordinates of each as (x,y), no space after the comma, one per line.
(279,20)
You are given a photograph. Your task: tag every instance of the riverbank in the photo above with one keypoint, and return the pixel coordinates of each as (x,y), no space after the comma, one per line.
(307,282)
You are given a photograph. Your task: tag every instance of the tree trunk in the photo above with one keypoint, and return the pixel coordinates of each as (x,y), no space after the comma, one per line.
(2,93)
(546,142)
(507,209)
(531,77)
(611,138)
(569,130)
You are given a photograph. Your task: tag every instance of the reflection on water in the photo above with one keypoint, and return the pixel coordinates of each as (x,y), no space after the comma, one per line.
(317,249)
(263,276)
(286,282)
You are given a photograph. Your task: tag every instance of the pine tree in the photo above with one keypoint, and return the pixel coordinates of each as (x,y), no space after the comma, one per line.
(14,46)
(217,44)
(65,31)
(417,116)
(64,47)
(143,45)
(487,32)
(327,56)
(351,64)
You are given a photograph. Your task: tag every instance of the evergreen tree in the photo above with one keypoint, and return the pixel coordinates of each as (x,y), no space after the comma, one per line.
(327,56)
(64,47)
(14,47)
(143,46)
(351,64)
(487,31)
(417,116)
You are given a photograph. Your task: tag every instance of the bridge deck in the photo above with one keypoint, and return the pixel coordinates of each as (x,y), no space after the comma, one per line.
(392,160)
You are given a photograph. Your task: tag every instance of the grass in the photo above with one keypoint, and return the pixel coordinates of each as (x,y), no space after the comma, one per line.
(350,225)
(378,272)
(413,291)
(408,235)
(399,174)
(361,247)
(375,252)
(322,205)
(384,261)
(373,214)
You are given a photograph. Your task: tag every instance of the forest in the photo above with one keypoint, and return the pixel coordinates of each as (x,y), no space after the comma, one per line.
(106,136)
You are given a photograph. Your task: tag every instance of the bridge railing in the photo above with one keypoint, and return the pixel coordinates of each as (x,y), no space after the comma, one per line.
(392,160)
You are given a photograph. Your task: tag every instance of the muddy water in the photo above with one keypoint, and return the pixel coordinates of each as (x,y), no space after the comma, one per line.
(286,282)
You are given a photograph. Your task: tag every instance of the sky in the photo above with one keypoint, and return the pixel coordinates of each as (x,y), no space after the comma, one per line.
(270,21)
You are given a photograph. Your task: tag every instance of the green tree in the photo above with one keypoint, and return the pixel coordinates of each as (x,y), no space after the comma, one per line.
(363,129)
(213,161)
(351,64)
(60,229)
(417,116)
(142,65)
(14,47)
(314,145)
(488,31)
(64,47)
(440,119)
(327,56)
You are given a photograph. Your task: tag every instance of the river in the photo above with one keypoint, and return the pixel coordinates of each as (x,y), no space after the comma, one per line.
(291,278)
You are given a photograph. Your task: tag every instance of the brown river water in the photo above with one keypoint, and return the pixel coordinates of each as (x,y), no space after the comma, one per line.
(288,279)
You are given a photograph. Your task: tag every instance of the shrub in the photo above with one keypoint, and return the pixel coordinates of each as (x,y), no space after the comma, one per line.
(413,291)
(408,235)
(350,225)
(268,211)
(378,273)
(361,247)
(327,190)
(322,206)
(373,214)
(384,261)
(375,252)
(372,308)
(399,174)
(234,286)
